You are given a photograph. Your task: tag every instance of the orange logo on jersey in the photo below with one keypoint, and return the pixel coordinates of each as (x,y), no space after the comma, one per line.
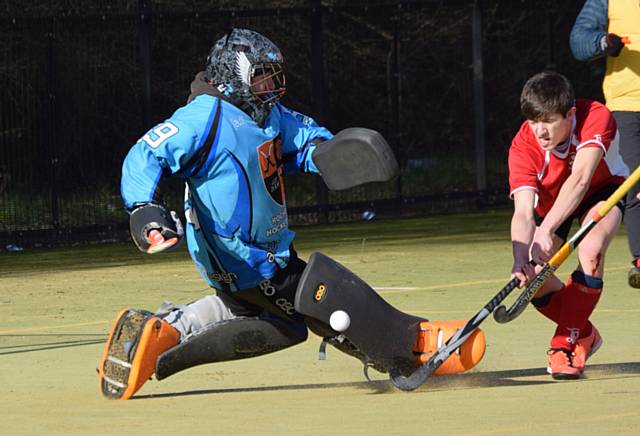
(270,157)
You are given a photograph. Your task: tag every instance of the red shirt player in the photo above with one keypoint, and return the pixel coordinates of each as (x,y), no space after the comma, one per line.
(563,163)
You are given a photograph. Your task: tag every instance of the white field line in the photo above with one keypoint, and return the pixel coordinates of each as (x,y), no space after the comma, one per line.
(380,289)
(55,327)
(391,289)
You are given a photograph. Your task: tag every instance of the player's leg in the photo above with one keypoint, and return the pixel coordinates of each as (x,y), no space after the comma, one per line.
(281,326)
(278,295)
(260,320)
(592,256)
(382,335)
(136,339)
(238,338)
(629,129)
(551,301)
(211,329)
(583,289)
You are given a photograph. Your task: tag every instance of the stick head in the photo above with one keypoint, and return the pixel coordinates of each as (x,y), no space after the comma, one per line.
(414,381)
(500,314)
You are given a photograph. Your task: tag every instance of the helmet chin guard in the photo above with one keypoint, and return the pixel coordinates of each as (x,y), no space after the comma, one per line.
(248,69)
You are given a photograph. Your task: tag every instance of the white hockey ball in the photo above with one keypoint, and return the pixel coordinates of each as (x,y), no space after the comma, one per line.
(339,320)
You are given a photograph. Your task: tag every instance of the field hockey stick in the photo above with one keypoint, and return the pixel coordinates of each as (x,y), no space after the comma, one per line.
(502,315)
(424,371)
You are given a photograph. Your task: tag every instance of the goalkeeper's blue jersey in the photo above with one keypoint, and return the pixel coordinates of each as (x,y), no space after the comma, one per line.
(237,225)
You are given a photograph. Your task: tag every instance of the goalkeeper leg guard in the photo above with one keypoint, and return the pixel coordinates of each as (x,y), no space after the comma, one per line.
(135,341)
(232,339)
(378,334)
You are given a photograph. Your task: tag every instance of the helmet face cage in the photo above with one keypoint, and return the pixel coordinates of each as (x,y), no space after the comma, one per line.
(263,73)
(239,64)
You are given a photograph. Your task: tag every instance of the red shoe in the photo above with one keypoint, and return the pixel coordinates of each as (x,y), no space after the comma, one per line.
(434,334)
(135,341)
(586,347)
(560,364)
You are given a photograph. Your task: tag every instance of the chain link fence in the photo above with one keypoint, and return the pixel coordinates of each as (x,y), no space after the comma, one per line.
(439,79)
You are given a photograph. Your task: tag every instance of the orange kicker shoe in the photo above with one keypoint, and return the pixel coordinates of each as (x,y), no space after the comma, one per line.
(135,341)
(434,334)
(586,347)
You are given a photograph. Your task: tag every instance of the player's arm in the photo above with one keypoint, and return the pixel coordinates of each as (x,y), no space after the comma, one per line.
(569,197)
(523,185)
(574,188)
(165,150)
(522,230)
(588,30)
(300,136)
(352,157)
(154,228)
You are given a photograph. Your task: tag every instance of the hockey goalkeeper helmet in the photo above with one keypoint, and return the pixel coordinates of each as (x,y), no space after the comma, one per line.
(248,69)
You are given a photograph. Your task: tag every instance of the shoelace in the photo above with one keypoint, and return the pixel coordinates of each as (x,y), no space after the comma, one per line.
(568,354)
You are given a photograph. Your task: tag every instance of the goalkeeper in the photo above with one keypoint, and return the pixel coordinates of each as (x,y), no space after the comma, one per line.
(232,144)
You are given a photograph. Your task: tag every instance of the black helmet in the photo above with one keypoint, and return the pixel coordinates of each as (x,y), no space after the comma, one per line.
(233,63)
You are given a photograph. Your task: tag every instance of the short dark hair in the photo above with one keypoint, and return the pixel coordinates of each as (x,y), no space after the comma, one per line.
(545,94)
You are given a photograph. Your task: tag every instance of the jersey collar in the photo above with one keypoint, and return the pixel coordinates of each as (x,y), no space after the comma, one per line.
(562,150)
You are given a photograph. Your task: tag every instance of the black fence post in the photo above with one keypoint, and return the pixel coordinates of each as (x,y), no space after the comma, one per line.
(50,126)
(144,38)
(397,103)
(319,91)
(551,11)
(478,98)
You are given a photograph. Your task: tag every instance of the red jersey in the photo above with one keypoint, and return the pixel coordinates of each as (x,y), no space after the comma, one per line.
(531,167)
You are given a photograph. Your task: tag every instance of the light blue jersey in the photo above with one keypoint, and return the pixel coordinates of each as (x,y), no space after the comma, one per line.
(237,225)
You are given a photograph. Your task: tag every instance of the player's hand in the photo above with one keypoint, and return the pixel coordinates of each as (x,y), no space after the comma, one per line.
(524,272)
(612,44)
(154,228)
(158,243)
(521,277)
(542,246)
